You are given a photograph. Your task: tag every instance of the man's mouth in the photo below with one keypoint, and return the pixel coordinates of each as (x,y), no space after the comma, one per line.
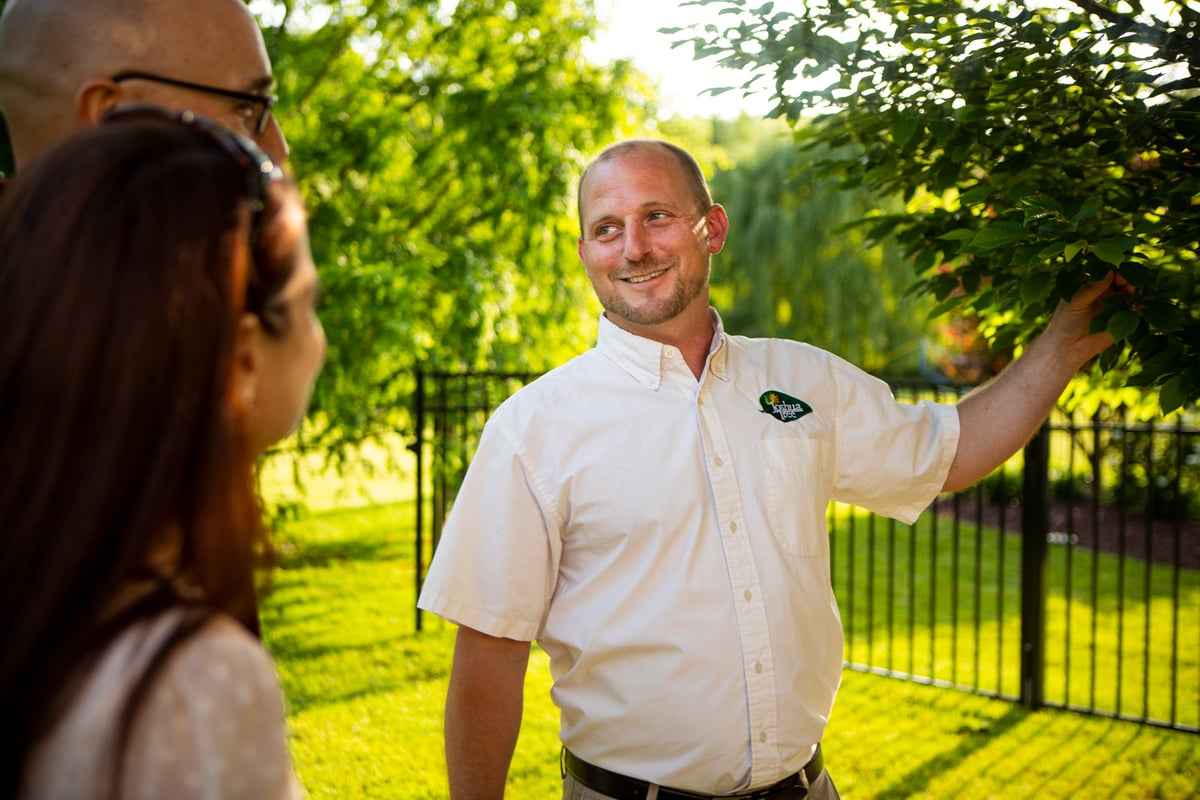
(643,278)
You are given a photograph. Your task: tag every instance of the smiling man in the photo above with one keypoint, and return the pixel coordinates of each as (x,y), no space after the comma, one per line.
(63,63)
(653,514)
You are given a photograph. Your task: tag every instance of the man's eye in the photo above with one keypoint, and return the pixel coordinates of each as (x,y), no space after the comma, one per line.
(606,232)
(247,111)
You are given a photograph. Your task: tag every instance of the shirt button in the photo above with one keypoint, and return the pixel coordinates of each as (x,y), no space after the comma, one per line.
(669,352)
(758,667)
(749,595)
(733,527)
(762,737)
(717,460)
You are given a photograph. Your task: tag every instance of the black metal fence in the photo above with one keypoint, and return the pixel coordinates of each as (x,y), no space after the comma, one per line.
(1068,578)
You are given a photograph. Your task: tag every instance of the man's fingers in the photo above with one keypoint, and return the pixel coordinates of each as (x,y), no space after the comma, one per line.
(1091,292)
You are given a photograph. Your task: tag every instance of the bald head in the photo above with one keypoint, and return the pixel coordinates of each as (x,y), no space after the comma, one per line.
(57,58)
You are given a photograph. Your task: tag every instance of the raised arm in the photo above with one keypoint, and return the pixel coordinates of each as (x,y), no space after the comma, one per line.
(1001,416)
(483,713)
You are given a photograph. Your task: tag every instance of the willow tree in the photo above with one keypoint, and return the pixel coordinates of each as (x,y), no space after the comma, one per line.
(793,268)
(1035,147)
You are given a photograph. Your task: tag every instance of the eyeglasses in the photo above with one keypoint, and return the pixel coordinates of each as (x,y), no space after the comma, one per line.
(257,120)
(260,169)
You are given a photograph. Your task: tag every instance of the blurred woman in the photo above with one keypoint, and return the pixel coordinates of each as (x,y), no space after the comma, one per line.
(157,332)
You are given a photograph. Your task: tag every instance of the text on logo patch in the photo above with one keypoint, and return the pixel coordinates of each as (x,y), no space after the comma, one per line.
(783,407)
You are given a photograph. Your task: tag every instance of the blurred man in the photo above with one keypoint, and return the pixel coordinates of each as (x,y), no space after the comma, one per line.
(63,63)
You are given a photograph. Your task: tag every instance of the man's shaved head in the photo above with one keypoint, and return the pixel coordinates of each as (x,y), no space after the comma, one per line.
(56,57)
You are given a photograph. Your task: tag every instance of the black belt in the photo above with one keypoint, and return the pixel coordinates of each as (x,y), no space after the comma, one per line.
(625,788)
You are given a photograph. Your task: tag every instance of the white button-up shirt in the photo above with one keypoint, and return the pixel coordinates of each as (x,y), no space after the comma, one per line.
(664,541)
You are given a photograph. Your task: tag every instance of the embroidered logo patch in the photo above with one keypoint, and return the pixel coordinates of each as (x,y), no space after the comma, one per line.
(783,407)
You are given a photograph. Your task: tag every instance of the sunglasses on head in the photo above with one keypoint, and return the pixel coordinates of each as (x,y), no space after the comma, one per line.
(260,169)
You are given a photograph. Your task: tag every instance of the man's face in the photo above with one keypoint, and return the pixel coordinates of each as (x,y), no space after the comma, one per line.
(218,45)
(646,244)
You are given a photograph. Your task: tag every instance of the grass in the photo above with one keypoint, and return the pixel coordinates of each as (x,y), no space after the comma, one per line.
(365,694)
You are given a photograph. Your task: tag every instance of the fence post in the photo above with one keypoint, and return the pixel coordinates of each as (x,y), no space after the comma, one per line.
(1035,524)
(418,448)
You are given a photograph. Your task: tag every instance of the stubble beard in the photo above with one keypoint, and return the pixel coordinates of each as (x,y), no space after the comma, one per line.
(685,291)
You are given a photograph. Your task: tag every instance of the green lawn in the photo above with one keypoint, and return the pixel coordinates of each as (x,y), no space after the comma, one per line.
(365,695)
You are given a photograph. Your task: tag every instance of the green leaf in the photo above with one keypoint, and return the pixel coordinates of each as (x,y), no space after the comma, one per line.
(926,259)
(1139,275)
(905,129)
(1108,252)
(944,306)
(958,234)
(1023,189)
(976,195)
(1163,316)
(999,234)
(1050,251)
(1123,324)
(1072,250)
(1172,395)
(1036,287)
(1090,208)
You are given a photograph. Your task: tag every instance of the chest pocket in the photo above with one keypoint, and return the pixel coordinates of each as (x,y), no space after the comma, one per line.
(797,475)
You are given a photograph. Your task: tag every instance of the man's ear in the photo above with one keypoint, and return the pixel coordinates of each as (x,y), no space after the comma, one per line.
(247,362)
(95,97)
(718,228)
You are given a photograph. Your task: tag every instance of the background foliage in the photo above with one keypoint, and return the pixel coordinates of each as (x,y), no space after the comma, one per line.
(438,144)
(789,271)
(1033,146)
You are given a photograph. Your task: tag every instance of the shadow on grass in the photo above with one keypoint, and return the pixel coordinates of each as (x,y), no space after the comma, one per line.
(320,555)
(360,669)
(973,738)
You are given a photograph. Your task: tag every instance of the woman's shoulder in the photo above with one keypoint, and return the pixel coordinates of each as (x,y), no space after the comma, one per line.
(220,651)
(213,718)
(211,712)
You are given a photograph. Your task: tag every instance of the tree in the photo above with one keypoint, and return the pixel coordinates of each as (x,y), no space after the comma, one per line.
(1035,146)
(793,270)
(437,144)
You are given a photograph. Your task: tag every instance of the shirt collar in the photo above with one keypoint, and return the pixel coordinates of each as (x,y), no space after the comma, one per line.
(644,358)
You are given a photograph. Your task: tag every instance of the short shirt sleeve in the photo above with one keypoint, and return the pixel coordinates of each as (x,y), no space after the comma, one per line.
(497,561)
(892,458)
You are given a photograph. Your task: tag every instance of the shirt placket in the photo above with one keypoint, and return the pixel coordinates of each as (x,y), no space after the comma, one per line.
(749,603)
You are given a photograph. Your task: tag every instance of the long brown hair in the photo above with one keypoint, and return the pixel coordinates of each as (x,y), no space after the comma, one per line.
(125,268)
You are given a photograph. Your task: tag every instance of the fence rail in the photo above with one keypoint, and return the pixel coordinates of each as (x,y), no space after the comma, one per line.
(1069,578)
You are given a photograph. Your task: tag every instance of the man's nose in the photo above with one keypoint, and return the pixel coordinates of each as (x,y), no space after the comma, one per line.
(273,143)
(637,241)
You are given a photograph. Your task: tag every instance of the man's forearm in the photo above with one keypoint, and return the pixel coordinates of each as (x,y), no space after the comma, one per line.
(483,713)
(1000,417)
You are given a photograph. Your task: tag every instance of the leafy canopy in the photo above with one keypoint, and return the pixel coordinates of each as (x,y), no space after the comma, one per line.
(1035,146)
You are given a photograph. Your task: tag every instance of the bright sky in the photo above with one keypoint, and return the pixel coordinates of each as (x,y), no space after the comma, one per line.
(629,29)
